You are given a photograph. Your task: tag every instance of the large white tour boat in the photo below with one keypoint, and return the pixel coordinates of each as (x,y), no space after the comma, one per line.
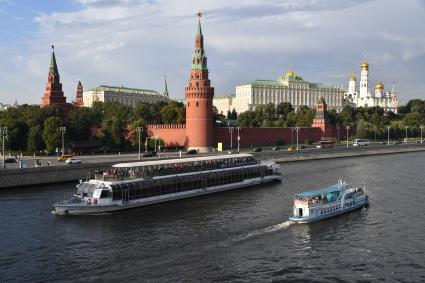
(130,185)
(324,203)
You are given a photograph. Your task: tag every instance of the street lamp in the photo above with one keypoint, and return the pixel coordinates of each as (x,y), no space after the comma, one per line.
(3,136)
(405,139)
(297,129)
(63,131)
(139,131)
(348,128)
(239,137)
(388,135)
(421,133)
(231,129)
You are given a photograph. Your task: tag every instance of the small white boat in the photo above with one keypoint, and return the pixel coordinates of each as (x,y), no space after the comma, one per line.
(327,202)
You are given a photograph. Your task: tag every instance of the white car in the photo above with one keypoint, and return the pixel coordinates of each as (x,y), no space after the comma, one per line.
(73,161)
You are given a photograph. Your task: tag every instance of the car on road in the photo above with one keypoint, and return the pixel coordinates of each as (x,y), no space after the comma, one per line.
(257,149)
(149,154)
(397,142)
(276,148)
(65,157)
(291,148)
(301,147)
(192,151)
(73,161)
(10,159)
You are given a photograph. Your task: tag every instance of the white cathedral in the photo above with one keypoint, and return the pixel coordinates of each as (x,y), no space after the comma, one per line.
(362,97)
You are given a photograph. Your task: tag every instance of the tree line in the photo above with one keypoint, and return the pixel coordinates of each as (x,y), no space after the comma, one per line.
(365,122)
(113,125)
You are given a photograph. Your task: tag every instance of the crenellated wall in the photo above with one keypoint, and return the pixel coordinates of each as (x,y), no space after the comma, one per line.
(171,134)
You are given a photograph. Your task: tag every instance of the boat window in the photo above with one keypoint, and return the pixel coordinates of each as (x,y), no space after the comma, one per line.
(104,194)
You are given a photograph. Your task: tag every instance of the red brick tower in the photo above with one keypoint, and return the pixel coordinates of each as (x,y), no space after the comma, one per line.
(321,119)
(78,102)
(53,94)
(199,99)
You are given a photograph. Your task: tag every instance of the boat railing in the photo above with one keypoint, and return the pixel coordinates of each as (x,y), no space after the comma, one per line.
(133,174)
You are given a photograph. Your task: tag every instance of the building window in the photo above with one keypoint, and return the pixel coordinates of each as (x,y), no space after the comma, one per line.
(197,103)
(188,104)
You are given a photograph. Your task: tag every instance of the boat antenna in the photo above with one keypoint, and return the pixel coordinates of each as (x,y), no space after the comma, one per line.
(364,185)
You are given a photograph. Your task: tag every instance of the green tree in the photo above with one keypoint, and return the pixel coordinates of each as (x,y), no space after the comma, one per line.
(283,109)
(35,139)
(247,119)
(414,120)
(304,116)
(52,134)
(79,123)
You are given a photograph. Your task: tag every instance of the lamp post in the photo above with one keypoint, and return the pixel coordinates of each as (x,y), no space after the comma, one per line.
(231,129)
(3,136)
(422,127)
(405,139)
(388,135)
(139,133)
(337,129)
(348,128)
(63,131)
(239,137)
(297,129)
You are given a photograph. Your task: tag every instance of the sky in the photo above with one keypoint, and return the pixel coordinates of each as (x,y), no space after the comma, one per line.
(136,43)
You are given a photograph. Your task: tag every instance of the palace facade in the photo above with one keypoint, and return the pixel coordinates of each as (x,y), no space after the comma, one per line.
(125,95)
(288,88)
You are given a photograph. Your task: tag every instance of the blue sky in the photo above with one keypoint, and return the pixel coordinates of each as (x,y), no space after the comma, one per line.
(136,42)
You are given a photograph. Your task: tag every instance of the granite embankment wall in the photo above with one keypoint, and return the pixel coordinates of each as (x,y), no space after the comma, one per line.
(350,152)
(48,175)
(56,174)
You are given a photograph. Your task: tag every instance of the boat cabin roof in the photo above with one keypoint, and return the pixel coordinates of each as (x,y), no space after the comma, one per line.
(331,189)
(180,160)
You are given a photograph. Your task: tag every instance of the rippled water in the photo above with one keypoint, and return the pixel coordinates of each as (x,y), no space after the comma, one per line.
(238,236)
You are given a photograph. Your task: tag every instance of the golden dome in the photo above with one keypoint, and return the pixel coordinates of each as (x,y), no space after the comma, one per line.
(290,72)
(379,85)
(365,65)
(352,77)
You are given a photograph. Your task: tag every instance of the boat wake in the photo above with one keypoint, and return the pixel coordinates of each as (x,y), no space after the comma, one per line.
(270,229)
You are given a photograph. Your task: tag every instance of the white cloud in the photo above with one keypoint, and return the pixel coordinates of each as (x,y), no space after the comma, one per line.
(135,42)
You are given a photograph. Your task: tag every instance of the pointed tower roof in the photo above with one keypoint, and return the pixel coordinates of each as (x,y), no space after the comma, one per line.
(165,87)
(199,59)
(199,30)
(53,69)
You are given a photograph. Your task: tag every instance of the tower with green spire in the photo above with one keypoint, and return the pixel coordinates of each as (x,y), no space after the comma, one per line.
(165,93)
(53,93)
(199,99)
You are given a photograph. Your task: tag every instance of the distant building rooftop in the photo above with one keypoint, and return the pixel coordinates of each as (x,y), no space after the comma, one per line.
(125,90)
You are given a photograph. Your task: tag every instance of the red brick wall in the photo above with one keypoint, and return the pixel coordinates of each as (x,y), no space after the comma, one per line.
(172,135)
(175,135)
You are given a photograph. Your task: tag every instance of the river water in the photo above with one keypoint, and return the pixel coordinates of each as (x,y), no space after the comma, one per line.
(237,236)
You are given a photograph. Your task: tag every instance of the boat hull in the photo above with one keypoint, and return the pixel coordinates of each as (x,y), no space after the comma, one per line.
(296,220)
(86,209)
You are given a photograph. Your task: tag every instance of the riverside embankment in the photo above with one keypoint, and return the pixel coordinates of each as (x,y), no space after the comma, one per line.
(57,174)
